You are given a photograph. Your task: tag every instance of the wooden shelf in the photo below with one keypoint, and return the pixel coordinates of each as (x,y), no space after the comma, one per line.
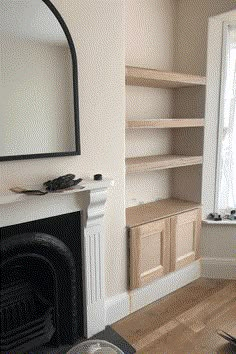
(165,123)
(145,213)
(155,78)
(159,162)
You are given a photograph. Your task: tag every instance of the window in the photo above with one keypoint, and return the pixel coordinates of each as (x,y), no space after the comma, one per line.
(219,155)
(225,197)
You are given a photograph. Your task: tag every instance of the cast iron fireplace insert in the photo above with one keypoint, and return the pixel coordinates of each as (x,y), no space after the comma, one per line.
(41,283)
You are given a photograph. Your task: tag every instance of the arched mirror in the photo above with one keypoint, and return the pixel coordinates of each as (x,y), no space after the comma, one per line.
(39,83)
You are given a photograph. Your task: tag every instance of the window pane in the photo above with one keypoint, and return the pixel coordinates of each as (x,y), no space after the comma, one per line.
(227,153)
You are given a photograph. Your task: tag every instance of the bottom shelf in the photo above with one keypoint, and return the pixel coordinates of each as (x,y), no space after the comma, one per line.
(144,213)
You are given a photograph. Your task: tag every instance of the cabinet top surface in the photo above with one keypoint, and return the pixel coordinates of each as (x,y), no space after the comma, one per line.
(144,213)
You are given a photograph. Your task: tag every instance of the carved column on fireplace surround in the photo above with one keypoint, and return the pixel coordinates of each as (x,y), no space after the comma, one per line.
(94,294)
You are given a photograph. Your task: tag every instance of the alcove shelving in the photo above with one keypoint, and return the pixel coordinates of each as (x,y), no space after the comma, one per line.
(164,146)
(136,76)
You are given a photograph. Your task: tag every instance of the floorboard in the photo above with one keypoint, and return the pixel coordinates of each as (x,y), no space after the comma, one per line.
(185,321)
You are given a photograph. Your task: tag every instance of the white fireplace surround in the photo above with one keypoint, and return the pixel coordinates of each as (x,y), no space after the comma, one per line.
(18,208)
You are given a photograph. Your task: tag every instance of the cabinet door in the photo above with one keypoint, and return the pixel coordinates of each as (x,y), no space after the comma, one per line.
(185,236)
(149,252)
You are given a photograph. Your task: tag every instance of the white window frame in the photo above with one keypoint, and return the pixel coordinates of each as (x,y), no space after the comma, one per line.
(217,26)
(225,50)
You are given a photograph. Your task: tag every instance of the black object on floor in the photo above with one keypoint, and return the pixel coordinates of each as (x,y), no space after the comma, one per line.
(113,337)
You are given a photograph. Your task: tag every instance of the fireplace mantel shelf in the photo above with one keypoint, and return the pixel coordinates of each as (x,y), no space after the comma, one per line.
(87,184)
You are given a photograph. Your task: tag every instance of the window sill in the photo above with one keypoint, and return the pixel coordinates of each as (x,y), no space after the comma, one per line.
(222,222)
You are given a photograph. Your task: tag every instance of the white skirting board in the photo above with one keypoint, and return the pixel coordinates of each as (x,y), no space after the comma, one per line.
(117,307)
(219,268)
(121,305)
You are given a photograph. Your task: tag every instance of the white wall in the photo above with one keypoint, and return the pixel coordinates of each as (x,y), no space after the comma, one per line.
(150,27)
(149,33)
(191,33)
(219,241)
(97,28)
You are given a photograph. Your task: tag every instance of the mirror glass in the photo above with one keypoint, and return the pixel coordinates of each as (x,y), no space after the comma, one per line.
(38,112)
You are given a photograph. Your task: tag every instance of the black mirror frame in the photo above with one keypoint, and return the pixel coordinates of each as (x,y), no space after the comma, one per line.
(75,96)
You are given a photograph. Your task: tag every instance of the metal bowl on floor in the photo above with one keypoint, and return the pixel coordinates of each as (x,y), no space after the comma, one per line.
(95,347)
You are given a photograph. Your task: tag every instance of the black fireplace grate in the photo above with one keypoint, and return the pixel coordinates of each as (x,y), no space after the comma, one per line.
(26,318)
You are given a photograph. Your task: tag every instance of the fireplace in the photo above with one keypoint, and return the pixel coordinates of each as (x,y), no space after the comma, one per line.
(41,274)
(52,265)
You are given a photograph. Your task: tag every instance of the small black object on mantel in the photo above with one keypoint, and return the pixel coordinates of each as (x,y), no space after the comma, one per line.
(62,182)
(97,177)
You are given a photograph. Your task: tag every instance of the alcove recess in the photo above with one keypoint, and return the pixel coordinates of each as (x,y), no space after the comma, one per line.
(170,165)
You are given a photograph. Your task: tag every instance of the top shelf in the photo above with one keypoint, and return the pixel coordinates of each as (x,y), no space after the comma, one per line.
(154,78)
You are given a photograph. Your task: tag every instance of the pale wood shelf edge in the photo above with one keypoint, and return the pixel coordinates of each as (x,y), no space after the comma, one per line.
(159,162)
(154,78)
(221,222)
(165,123)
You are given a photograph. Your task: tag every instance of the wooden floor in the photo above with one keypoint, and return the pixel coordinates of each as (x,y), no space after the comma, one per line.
(185,321)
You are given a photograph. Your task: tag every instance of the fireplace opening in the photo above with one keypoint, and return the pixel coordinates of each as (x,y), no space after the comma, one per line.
(41,284)
(28,317)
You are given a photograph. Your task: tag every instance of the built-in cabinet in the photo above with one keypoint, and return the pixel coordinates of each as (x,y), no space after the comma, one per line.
(164,245)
